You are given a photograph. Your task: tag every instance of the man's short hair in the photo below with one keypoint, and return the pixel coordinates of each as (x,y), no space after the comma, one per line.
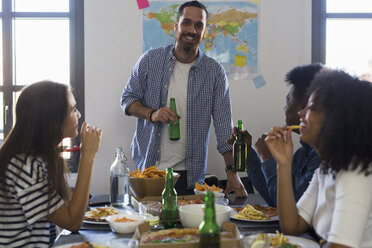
(193,4)
(300,77)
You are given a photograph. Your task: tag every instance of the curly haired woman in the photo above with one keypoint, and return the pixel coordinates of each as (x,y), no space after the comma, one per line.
(337,123)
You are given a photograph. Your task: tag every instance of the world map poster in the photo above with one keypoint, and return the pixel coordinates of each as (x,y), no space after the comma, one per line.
(231,36)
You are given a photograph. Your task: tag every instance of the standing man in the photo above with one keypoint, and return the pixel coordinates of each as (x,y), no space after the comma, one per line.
(261,166)
(199,85)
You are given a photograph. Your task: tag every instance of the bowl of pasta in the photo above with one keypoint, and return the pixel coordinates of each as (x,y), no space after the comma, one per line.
(149,182)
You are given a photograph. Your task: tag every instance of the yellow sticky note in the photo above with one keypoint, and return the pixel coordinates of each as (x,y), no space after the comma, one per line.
(240,60)
(257,2)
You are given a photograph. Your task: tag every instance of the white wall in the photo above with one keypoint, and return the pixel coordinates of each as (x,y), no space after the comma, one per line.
(113,44)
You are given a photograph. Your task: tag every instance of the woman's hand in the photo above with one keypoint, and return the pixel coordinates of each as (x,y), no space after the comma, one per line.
(279,142)
(90,140)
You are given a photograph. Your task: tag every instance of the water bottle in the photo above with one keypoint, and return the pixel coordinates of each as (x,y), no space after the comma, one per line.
(119,180)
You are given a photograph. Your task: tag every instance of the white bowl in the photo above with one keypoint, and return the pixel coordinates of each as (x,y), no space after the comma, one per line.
(192,215)
(125,227)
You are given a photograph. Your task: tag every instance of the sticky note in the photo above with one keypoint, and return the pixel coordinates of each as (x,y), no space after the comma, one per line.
(257,2)
(259,81)
(143,4)
(240,60)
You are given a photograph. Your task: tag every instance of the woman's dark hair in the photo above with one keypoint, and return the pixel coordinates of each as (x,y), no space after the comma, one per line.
(191,4)
(345,141)
(41,111)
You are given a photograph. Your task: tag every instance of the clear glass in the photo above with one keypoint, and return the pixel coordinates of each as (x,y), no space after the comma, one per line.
(348,45)
(347,6)
(41,50)
(151,211)
(41,5)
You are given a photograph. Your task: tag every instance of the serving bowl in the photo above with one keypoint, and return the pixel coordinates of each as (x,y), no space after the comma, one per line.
(125,227)
(192,215)
(142,187)
(218,195)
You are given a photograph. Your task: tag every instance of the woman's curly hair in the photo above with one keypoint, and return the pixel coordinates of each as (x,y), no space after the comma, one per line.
(346,137)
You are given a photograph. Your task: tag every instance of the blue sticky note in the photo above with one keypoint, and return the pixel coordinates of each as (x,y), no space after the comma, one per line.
(259,81)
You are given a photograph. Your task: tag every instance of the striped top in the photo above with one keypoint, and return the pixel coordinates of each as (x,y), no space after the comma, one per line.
(24,204)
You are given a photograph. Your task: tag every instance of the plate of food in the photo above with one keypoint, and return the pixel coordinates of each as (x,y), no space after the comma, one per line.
(255,213)
(277,240)
(98,215)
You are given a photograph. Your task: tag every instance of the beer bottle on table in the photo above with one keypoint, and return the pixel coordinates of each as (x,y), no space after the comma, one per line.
(174,129)
(209,231)
(240,150)
(169,201)
(119,180)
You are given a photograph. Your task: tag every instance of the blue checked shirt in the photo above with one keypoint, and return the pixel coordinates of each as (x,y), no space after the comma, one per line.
(207,97)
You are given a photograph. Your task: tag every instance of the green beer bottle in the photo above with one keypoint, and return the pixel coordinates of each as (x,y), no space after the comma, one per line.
(209,231)
(240,150)
(169,201)
(174,129)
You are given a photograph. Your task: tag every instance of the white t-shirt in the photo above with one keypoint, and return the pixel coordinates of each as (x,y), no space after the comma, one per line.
(173,152)
(339,209)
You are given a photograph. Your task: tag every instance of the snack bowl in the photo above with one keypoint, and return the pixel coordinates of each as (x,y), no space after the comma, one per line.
(142,187)
(192,215)
(218,195)
(125,227)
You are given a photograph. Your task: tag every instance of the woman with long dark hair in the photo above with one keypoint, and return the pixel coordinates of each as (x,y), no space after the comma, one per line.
(337,123)
(34,193)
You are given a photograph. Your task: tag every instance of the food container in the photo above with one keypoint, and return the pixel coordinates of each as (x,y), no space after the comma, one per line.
(193,214)
(125,227)
(143,187)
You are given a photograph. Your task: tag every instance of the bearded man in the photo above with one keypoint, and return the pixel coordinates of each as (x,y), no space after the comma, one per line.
(200,87)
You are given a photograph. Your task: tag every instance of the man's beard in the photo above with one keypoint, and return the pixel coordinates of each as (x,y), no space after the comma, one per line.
(186,46)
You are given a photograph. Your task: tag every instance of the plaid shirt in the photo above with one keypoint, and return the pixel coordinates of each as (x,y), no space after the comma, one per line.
(207,96)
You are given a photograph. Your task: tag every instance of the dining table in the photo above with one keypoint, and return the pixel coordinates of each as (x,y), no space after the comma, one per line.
(101,233)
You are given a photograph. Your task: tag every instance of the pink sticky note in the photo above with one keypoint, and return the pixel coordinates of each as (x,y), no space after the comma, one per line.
(143,4)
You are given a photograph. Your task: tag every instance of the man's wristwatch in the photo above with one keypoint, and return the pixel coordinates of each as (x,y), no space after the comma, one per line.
(229,167)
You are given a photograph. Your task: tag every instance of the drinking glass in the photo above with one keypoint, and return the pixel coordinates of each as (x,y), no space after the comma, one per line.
(151,211)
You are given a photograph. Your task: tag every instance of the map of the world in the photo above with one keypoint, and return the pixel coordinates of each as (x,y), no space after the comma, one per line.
(232,31)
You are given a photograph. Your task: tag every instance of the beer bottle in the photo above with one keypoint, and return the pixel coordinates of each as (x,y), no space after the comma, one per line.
(209,231)
(240,150)
(174,129)
(169,201)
